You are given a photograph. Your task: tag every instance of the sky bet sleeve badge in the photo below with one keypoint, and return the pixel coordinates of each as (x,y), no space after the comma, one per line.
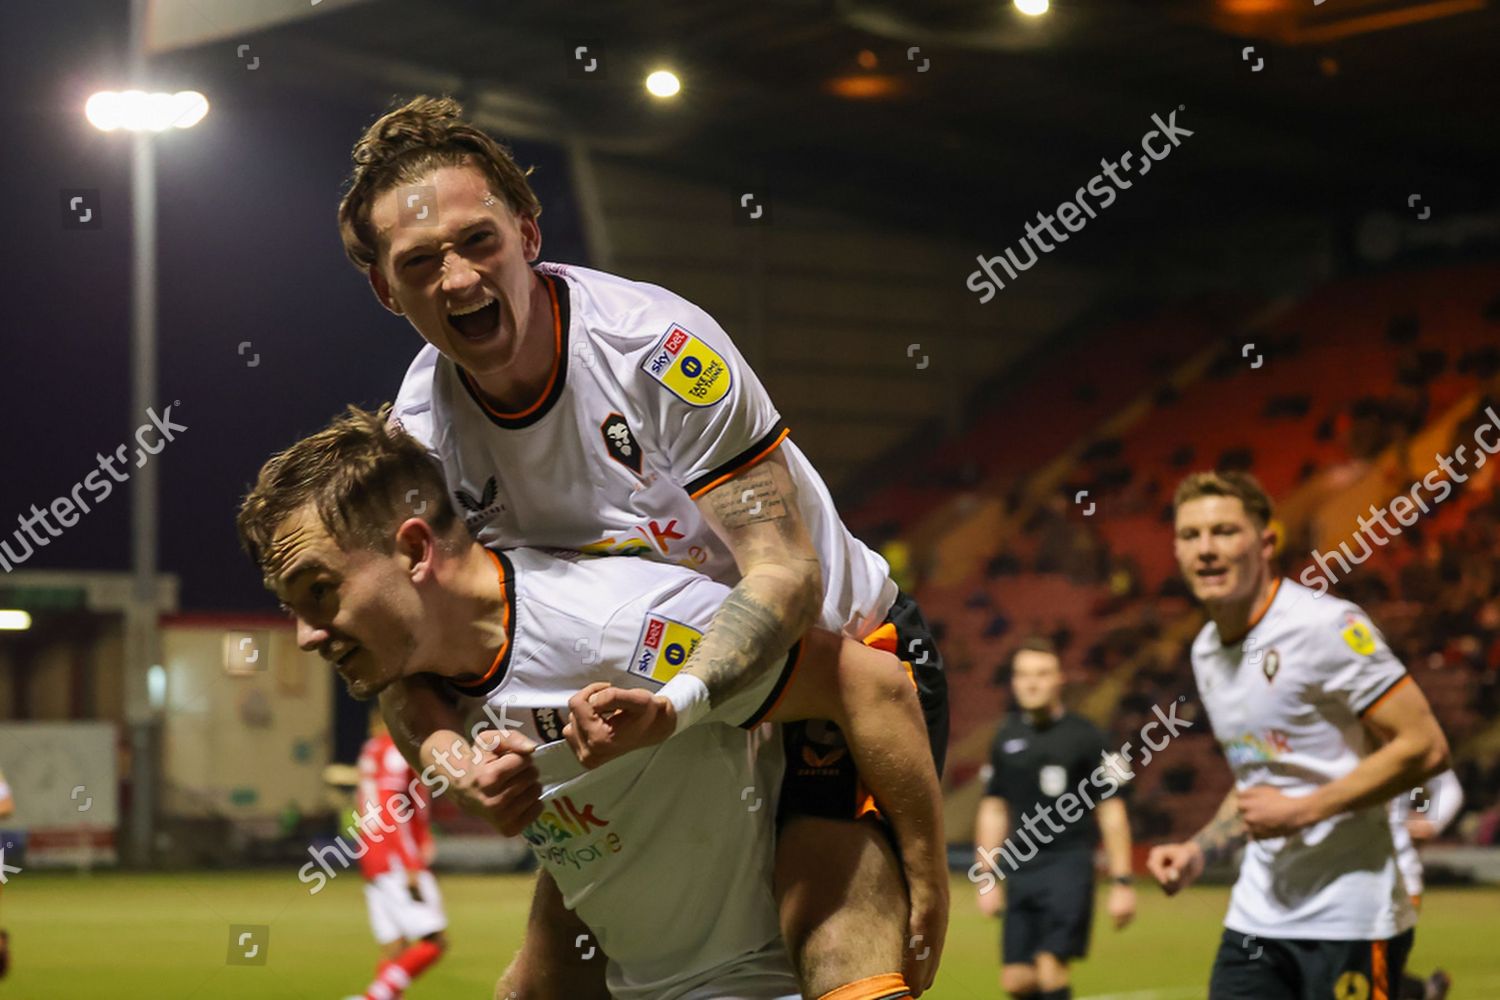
(663,647)
(1357,634)
(690,369)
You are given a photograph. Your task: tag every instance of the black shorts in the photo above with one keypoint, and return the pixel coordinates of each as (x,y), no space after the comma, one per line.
(1049,907)
(1253,968)
(820,777)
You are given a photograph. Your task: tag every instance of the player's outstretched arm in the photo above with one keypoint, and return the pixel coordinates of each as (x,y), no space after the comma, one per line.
(1177,866)
(1413,749)
(777,599)
(869,695)
(495,781)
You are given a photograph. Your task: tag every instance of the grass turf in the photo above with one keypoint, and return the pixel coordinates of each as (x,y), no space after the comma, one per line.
(167,936)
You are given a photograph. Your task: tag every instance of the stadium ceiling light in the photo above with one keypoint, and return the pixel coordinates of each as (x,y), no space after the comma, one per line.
(138,111)
(1032,8)
(663,83)
(14,621)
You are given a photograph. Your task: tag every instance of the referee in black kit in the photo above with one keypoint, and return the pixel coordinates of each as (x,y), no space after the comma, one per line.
(1035,833)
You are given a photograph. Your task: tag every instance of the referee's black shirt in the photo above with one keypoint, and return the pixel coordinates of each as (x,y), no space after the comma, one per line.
(1032,766)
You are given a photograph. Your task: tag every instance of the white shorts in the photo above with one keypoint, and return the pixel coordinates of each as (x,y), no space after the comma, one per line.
(394,914)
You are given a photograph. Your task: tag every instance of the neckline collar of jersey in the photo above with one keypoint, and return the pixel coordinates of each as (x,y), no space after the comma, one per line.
(561,316)
(501,665)
(1258,614)
(1053,719)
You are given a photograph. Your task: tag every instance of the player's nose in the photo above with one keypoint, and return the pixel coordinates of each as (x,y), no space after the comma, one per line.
(458,274)
(310,638)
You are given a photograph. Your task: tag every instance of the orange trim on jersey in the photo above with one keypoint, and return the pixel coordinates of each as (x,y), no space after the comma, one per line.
(1260,613)
(505,636)
(889,986)
(786,683)
(551,379)
(1379,977)
(1388,692)
(735,472)
(1416,901)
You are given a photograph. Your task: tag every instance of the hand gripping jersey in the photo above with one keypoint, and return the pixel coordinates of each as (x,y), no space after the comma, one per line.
(650,405)
(384,775)
(666,853)
(1285,704)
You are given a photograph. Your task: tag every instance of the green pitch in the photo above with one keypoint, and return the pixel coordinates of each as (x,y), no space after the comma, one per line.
(166,937)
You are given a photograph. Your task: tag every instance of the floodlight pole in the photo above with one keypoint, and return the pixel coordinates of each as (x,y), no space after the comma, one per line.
(142,634)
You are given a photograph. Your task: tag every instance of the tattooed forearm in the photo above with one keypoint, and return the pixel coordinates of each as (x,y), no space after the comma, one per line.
(1225,832)
(751,498)
(754,628)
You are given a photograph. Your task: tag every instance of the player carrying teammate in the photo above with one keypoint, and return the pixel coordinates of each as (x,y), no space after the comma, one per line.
(576,409)
(1040,753)
(1322,727)
(406,909)
(664,853)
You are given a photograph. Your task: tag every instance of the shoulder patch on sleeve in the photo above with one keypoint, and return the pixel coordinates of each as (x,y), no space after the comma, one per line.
(688,368)
(663,647)
(1358,635)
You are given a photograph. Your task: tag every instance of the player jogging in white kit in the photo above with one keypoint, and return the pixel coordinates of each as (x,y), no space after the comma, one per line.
(1321,727)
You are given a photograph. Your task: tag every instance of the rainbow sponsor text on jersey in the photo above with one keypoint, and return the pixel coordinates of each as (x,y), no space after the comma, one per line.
(555,835)
(1252,748)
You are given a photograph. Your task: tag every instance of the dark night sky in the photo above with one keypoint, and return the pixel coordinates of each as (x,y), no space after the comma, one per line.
(248,251)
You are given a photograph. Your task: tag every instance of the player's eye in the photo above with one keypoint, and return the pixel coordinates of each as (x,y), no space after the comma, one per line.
(419,261)
(318,591)
(483,236)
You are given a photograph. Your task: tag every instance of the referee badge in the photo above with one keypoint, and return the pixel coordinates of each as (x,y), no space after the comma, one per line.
(1054,780)
(1271,664)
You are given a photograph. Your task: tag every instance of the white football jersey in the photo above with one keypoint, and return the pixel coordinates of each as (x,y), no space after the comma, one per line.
(650,405)
(1285,704)
(666,853)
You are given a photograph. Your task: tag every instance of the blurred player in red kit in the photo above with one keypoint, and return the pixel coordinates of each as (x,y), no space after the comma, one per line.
(406,909)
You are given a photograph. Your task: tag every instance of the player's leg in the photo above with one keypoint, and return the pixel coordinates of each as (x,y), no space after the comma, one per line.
(415,911)
(1253,968)
(559,957)
(1356,969)
(1067,901)
(842,900)
(1018,940)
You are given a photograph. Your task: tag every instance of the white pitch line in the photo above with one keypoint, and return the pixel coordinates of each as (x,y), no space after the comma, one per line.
(1195,993)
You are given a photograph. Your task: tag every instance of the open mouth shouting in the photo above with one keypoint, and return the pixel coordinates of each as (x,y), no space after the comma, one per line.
(476,321)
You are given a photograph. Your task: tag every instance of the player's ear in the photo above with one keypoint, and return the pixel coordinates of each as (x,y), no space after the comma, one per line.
(416,546)
(382,289)
(531,237)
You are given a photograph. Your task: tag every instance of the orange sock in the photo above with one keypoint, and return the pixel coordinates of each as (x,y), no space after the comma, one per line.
(887,986)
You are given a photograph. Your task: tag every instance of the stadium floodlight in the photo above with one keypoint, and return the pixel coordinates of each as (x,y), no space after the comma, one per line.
(138,111)
(663,83)
(14,621)
(1032,8)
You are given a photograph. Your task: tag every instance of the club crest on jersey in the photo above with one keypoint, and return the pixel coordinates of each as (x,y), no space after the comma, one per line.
(549,723)
(1357,636)
(690,369)
(1271,665)
(481,507)
(663,648)
(620,443)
